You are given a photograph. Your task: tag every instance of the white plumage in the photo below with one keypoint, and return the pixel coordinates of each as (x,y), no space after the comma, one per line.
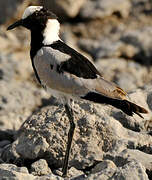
(30,10)
(52,26)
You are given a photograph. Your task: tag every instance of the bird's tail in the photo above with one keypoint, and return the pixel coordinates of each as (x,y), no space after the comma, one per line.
(126,106)
(129,108)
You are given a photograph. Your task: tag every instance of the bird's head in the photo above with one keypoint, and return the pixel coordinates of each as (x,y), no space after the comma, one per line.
(34,18)
(39,19)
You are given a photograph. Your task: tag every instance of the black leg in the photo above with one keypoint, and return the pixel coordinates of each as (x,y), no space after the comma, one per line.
(70,137)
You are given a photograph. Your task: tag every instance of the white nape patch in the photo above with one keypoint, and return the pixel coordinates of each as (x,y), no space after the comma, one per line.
(30,10)
(51,32)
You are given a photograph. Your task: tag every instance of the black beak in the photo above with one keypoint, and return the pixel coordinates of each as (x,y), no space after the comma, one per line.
(16,24)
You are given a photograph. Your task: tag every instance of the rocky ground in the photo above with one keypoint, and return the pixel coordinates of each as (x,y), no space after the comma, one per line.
(108,145)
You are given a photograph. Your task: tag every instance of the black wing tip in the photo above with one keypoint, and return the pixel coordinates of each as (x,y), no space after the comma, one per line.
(131,108)
(126,106)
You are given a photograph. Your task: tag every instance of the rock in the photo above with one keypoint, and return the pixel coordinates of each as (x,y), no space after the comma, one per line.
(141,7)
(98,130)
(107,164)
(103,170)
(101,48)
(148,90)
(7,9)
(10,171)
(103,8)
(128,138)
(48,177)
(13,167)
(131,171)
(128,75)
(9,154)
(75,173)
(129,154)
(64,8)
(58,172)
(7,69)
(1,161)
(141,43)
(127,43)
(38,146)
(45,135)
(15,104)
(4,143)
(40,168)
(7,135)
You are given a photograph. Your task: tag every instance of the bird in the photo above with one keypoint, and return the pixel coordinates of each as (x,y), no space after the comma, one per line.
(66,73)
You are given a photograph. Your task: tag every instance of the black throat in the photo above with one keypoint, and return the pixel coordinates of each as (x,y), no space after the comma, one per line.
(36,44)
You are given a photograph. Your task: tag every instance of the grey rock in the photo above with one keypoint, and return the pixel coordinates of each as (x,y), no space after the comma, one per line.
(104,8)
(141,7)
(1,161)
(7,135)
(141,43)
(148,89)
(103,171)
(98,130)
(4,143)
(75,173)
(40,168)
(7,9)
(128,75)
(58,172)
(64,8)
(101,48)
(131,171)
(127,43)
(106,164)
(36,146)
(48,177)
(9,153)
(51,125)
(126,80)
(15,104)
(129,154)
(103,175)
(14,167)
(7,69)
(10,171)
(128,138)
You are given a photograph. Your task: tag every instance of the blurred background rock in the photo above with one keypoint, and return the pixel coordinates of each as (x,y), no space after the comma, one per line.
(115,34)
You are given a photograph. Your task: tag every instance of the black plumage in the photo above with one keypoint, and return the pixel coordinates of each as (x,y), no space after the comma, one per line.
(77,64)
(126,106)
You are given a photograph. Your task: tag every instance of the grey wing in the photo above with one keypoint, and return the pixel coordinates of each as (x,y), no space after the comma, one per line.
(47,63)
(67,82)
